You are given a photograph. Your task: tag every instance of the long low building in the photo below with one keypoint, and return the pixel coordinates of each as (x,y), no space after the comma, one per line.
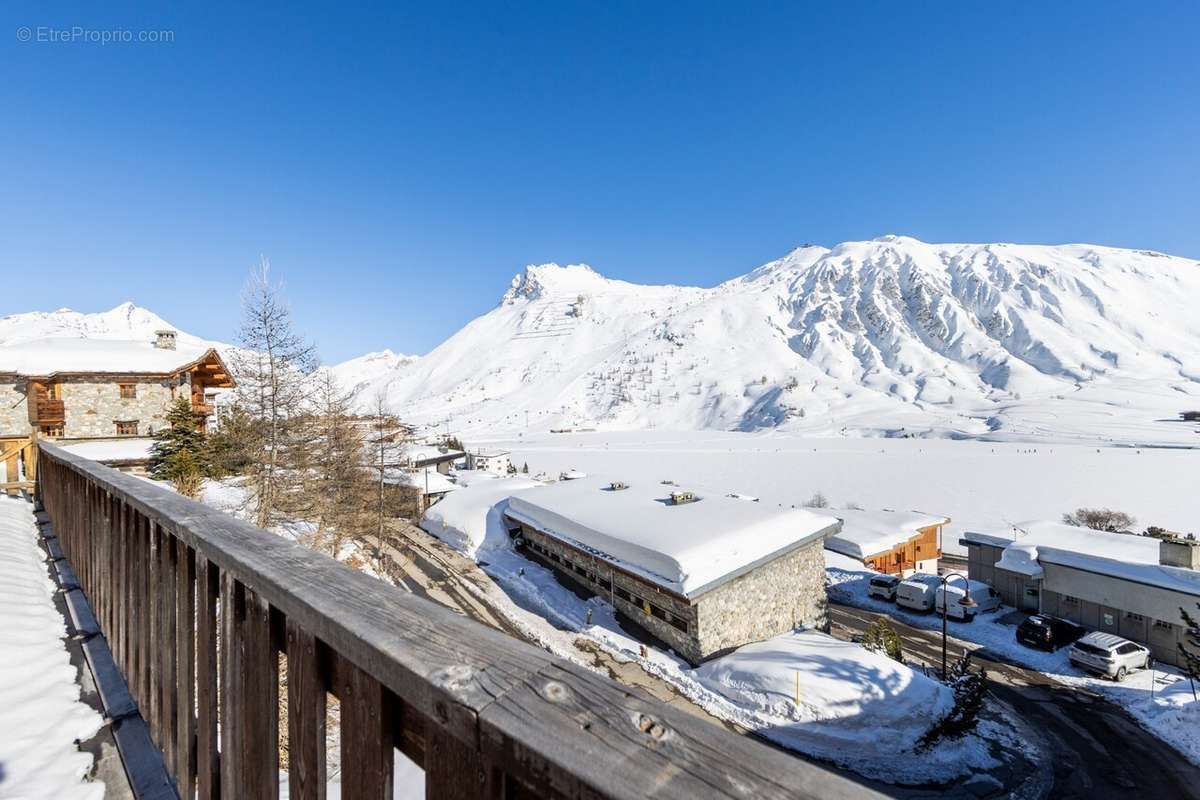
(1132,586)
(703,572)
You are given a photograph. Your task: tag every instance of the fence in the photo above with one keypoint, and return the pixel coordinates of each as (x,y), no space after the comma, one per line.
(197,608)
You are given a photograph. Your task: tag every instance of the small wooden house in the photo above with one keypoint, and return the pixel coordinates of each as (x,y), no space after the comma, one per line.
(893,542)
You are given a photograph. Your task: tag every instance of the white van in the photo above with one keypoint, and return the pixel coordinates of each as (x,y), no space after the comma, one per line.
(917,591)
(985,598)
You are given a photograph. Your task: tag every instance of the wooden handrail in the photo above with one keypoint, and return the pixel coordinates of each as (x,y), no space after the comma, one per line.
(186,594)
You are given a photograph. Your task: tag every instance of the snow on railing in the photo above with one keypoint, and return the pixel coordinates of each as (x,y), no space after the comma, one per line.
(200,610)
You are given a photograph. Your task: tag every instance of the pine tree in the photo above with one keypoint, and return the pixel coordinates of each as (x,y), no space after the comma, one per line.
(273,365)
(179,453)
(881,637)
(525,468)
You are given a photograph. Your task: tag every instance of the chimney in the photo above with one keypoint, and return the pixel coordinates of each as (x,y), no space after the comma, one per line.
(164,340)
(1179,552)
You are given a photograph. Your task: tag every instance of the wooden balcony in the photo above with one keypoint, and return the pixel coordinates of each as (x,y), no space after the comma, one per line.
(188,598)
(48,412)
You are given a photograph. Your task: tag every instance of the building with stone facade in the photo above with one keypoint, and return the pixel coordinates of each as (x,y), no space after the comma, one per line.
(84,389)
(1132,586)
(702,572)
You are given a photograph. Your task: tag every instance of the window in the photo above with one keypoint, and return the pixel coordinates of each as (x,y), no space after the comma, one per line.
(53,392)
(1132,617)
(1158,623)
(128,390)
(680,624)
(52,431)
(1126,649)
(127,428)
(1068,600)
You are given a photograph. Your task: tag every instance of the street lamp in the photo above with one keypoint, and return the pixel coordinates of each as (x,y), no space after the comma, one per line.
(966,602)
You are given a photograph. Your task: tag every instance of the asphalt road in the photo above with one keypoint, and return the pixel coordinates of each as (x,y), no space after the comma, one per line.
(1096,750)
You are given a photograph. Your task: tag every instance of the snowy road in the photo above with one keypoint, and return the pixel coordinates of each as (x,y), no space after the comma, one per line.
(1096,749)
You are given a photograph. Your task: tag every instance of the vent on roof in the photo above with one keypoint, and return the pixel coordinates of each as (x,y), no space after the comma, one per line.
(617,486)
(164,340)
(681,497)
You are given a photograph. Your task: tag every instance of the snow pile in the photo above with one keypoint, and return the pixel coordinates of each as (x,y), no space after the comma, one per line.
(470,518)
(686,547)
(41,717)
(852,696)
(891,337)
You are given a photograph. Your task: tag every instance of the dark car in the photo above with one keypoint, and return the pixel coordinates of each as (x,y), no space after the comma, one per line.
(1047,633)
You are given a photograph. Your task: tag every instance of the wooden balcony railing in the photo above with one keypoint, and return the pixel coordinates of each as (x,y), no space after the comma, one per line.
(198,609)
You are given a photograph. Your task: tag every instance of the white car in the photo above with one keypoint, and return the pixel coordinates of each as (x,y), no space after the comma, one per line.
(916,591)
(1109,655)
(985,598)
(883,587)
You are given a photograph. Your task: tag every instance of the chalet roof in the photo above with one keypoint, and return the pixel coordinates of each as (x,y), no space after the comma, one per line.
(79,356)
(688,548)
(869,533)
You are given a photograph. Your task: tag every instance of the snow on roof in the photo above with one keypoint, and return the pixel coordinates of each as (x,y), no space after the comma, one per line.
(490,453)
(112,449)
(686,548)
(1029,545)
(868,533)
(50,356)
(427,480)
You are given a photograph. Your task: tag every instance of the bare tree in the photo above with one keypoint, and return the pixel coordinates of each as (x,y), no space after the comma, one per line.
(386,454)
(272,366)
(1101,519)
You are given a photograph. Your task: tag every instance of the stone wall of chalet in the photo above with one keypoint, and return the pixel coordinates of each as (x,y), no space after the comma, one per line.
(94,407)
(769,600)
(14,414)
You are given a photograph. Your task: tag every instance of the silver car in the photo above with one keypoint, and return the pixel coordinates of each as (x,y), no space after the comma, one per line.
(1109,655)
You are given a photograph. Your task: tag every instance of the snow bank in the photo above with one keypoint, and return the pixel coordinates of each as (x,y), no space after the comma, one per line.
(41,716)
(469,519)
(852,694)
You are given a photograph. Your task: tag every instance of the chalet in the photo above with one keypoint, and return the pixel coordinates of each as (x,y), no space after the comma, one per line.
(416,490)
(894,542)
(495,461)
(702,572)
(1132,586)
(102,388)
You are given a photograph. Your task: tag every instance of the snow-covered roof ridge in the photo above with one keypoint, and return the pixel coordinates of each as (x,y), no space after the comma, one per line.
(688,548)
(72,355)
(867,533)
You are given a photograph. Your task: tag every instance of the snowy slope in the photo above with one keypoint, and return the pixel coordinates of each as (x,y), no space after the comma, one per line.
(125,322)
(378,368)
(881,338)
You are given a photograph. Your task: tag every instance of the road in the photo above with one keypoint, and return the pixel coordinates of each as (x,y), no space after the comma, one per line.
(1096,750)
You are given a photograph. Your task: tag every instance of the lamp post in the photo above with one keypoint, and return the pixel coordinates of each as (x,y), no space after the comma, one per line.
(966,602)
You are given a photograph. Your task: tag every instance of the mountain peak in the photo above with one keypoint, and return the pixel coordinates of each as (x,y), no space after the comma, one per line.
(541,280)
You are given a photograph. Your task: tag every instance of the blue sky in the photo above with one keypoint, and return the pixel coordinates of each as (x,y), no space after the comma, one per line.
(398,164)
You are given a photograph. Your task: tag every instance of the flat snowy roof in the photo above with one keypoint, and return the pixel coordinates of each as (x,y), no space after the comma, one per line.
(1028,545)
(868,533)
(112,449)
(688,548)
(77,355)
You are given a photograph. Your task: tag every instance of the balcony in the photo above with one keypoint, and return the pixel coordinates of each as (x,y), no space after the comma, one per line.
(49,412)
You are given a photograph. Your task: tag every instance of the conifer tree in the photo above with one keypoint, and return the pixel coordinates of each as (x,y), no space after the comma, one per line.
(179,453)
(1189,649)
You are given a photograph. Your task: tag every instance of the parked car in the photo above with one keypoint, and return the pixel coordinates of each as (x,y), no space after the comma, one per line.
(917,591)
(883,586)
(1047,633)
(1109,655)
(984,597)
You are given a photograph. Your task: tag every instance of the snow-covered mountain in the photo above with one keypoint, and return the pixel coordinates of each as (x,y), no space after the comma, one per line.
(126,321)
(887,337)
(357,374)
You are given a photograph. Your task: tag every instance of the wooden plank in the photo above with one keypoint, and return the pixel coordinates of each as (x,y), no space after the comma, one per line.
(258,740)
(154,663)
(166,650)
(457,771)
(208,764)
(185,736)
(366,734)
(232,673)
(307,687)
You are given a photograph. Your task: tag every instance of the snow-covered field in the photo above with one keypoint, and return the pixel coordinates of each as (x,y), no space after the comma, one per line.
(845,690)
(979,485)
(41,716)
(1160,699)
